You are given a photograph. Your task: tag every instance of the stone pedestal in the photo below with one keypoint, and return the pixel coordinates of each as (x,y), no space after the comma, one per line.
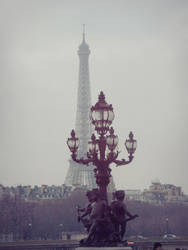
(104,248)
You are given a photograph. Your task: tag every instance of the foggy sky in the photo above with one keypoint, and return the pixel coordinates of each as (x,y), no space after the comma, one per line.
(138,58)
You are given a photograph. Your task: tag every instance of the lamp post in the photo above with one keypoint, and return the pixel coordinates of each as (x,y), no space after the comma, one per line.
(167,226)
(102,151)
(60,231)
(30,231)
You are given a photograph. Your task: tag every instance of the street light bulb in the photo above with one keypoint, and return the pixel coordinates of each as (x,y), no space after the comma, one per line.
(131,144)
(112,140)
(73,142)
(93,146)
(102,115)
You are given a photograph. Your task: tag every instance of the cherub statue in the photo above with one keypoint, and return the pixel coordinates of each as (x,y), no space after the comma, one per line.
(86,211)
(120,214)
(97,217)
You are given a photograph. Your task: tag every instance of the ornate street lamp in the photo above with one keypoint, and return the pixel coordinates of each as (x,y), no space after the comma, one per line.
(102,151)
(102,115)
(73,142)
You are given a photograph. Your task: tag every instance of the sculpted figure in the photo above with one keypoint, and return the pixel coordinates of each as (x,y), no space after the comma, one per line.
(120,214)
(93,217)
(97,217)
(105,224)
(86,211)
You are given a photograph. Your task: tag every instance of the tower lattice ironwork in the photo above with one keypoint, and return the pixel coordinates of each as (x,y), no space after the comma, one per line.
(79,174)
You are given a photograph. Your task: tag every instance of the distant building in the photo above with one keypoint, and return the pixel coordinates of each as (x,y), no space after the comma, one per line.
(37,192)
(160,193)
(1,191)
(134,194)
(173,193)
(157,193)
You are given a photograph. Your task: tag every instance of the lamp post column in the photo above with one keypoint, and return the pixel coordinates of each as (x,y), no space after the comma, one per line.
(102,174)
(167,230)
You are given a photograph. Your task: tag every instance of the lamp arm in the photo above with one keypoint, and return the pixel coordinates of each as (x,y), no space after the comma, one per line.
(81,160)
(112,156)
(123,161)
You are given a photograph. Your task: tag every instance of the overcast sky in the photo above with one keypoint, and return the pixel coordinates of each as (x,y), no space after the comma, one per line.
(138,58)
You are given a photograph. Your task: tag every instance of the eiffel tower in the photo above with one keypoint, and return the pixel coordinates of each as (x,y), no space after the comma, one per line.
(79,174)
